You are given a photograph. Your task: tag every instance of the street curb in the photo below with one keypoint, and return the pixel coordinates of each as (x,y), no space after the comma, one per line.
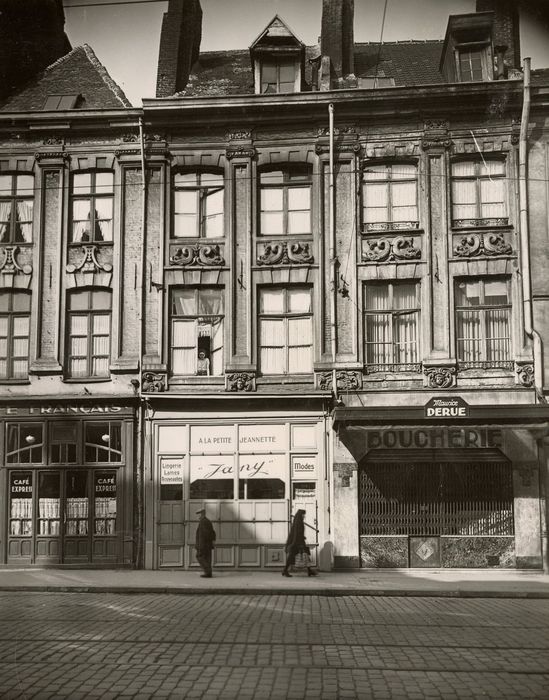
(326,592)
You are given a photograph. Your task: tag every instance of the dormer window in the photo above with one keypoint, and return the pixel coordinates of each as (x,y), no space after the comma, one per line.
(278,77)
(470,64)
(467,54)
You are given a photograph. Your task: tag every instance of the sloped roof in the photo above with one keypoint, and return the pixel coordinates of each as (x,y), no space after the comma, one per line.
(276,30)
(218,73)
(77,73)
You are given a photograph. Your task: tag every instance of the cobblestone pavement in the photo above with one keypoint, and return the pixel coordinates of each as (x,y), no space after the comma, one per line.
(78,646)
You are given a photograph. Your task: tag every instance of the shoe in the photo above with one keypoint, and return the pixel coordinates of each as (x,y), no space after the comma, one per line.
(285,573)
(205,575)
(310,572)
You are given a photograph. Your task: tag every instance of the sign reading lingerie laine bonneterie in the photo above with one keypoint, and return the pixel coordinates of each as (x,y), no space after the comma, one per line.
(171,471)
(252,466)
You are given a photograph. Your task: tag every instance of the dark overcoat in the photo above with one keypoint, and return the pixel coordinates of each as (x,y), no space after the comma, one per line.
(296,539)
(205,536)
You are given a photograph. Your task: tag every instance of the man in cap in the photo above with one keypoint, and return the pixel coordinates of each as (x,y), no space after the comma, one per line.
(205,538)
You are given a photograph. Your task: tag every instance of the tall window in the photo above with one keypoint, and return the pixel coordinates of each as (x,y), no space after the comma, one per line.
(198,205)
(389,196)
(483,313)
(285,331)
(14,334)
(277,77)
(471,64)
(197,331)
(92,206)
(89,329)
(391,325)
(285,202)
(478,191)
(16,204)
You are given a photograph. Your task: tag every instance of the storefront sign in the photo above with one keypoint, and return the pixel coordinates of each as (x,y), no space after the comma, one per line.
(252,438)
(434,438)
(304,467)
(105,484)
(21,485)
(171,471)
(447,407)
(257,466)
(61,410)
(212,438)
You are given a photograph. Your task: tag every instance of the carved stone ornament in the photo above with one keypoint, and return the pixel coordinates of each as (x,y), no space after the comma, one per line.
(204,255)
(440,377)
(241,135)
(57,155)
(384,250)
(153,382)
(282,253)
(435,141)
(53,141)
(490,244)
(525,374)
(346,380)
(240,152)
(477,223)
(89,262)
(240,381)
(380,226)
(338,130)
(130,138)
(339,148)
(436,124)
(119,153)
(9,265)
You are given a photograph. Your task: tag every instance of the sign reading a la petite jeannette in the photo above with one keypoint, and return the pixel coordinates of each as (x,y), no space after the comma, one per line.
(447,407)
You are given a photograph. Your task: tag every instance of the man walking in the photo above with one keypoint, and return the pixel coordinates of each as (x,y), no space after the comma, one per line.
(205,538)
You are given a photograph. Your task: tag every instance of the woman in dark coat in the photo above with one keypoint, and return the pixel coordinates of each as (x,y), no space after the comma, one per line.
(295,544)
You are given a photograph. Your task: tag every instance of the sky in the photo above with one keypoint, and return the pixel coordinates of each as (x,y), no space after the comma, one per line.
(125,37)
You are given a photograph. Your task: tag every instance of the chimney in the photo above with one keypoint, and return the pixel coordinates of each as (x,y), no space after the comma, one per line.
(506,29)
(337,37)
(179,45)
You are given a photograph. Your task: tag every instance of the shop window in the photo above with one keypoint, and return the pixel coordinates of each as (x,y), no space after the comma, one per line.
(391,326)
(285,202)
(261,489)
(14,334)
(483,321)
(89,330)
(21,484)
(197,331)
(212,476)
(63,442)
(49,503)
(105,507)
(77,502)
(24,443)
(278,76)
(92,197)
(479,193)
(285,330)
(103,442)
(389,197)
(198,205)
(262,476)
(16,208)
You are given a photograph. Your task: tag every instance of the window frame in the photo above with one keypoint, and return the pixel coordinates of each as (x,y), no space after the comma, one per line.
(90,313)
(484,339)
(389,181)
(13,199)
(393,365)
(202,192)
(92,196)
(173,317)
(278,64)
(478,178)
(11,338)
(461,50)
(285,316)
(304,180)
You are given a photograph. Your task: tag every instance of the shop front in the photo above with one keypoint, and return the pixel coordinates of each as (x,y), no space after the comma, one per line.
(250,473)
(67,485)
(450,491)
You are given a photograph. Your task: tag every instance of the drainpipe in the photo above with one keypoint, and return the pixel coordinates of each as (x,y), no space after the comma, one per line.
(333,259)
(140,480)
(529,329)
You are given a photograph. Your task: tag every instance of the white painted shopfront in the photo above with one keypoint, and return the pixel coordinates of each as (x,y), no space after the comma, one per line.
(249,473)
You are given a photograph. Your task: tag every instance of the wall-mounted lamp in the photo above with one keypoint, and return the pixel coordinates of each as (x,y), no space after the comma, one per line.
(106,437)
(30,439)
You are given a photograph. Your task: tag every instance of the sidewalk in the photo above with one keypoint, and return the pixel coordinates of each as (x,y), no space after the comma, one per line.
(363,582)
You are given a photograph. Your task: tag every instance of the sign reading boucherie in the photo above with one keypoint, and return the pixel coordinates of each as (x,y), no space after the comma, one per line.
(447,407)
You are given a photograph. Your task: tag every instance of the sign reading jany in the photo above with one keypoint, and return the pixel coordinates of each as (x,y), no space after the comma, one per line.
(447,407)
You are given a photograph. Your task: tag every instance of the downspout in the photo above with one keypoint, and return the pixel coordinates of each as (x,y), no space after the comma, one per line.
(529,329)
(333,259)
(140,476)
